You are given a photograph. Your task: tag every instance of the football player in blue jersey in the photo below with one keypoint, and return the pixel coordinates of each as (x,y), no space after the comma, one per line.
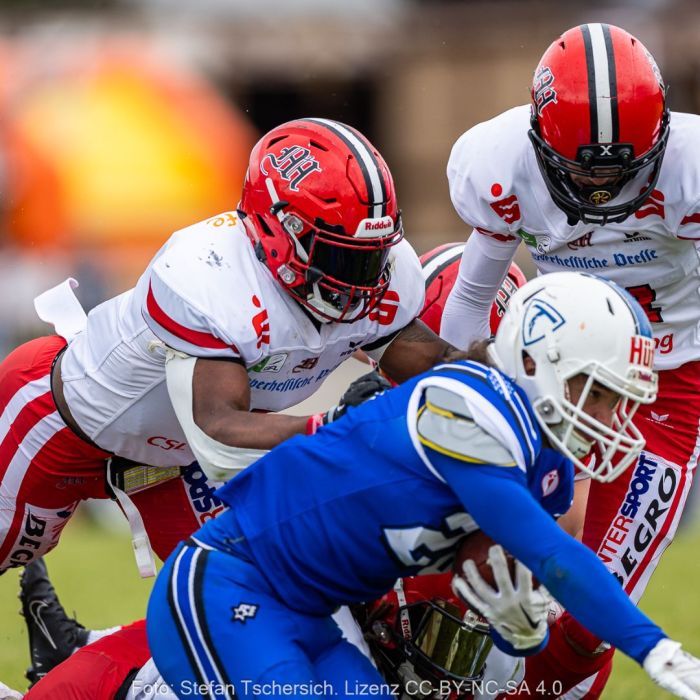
(486,441)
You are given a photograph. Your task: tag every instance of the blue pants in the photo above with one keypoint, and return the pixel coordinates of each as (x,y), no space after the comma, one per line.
(214,625)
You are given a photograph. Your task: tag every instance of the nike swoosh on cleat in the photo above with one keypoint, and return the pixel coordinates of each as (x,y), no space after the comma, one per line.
(35,610)
(530,621)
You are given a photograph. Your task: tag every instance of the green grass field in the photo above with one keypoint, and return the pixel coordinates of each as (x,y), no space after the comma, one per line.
(95,575)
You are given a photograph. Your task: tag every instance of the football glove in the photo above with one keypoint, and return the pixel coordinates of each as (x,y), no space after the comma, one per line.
(674,669)
(516,611)
(9,694)
(363,388)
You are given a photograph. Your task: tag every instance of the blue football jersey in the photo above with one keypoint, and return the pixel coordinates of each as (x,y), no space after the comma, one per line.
(389,490)
(339,516)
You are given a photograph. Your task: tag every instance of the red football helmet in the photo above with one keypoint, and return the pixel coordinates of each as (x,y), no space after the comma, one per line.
(599,120)
(422,635)
(320,208)
(440,269)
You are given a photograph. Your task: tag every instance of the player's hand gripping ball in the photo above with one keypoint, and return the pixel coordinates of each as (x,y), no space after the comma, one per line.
(502,589)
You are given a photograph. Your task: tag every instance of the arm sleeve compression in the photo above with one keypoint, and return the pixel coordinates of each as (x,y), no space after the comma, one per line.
(505,510)
(485,262)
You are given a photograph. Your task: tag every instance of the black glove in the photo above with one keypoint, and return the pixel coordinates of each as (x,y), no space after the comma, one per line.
(363,388)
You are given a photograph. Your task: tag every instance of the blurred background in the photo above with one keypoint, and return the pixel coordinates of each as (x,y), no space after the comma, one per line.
(123,120)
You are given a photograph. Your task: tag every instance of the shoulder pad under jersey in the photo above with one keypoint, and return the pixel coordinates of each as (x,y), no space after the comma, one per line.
(202,291)
(482,172)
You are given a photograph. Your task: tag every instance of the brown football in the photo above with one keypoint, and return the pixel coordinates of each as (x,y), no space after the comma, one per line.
(475,546)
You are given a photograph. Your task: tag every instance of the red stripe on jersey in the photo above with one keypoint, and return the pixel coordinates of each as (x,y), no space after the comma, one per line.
(203,340)
(32,490)
(497,236)
(30,414)
(691,219)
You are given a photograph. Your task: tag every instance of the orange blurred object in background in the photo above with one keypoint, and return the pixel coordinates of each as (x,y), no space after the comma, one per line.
(110,151)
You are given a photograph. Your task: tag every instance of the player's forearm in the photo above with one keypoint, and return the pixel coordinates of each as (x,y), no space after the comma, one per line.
(484,265)
(570,571)
(414,350)
(261,431)
(236,439)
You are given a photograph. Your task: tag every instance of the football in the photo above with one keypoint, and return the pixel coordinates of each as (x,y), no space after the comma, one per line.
(475,546)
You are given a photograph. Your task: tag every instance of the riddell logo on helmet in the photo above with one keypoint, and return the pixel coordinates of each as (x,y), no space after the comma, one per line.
(374,228)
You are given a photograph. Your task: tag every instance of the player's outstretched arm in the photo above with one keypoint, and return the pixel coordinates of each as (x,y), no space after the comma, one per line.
(414,349)
(570,571)
(484,265)
(221,403)
(211,398)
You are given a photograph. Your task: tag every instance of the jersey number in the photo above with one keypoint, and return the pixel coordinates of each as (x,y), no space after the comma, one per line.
(385,311)
(646,296)
(431,550)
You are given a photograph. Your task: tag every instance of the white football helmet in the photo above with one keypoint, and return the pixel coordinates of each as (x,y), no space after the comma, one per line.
(571,323)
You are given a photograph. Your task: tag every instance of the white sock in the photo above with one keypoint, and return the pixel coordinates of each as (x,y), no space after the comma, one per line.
(94,635)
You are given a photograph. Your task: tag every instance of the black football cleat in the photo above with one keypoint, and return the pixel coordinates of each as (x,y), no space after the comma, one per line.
(53,636)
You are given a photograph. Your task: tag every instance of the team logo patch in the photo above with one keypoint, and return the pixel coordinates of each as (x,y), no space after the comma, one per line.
(540,319)
(582,242)
(529,238)
(293,164)
(261,324)
(507,208)
(542,91)
(306,365)
(549,483)
(243,612)
(274,363)
(654,206)
(543,243)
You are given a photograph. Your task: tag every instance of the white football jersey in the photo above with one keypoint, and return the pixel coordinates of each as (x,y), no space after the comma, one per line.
(496,187)
(206,294)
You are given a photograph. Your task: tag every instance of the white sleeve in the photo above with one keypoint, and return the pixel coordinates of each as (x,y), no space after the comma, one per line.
(219,462)
(484,265)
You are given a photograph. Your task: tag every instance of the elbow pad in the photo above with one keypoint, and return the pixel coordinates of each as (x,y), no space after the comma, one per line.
(219,462)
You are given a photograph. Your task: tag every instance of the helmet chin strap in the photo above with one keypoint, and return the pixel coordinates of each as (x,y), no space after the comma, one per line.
(579,446)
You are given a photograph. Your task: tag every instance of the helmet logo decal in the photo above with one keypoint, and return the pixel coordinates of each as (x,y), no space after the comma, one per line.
(293,164)
(600,197)
(654,68)
(542,91)
(503,295)
(375,228)
(540,319)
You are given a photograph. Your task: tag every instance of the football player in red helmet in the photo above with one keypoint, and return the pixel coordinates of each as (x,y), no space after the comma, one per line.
(235,319)
(597,175)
